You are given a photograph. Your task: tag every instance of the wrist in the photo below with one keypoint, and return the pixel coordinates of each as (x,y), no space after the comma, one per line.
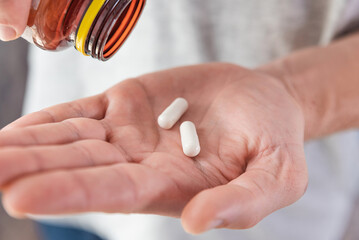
(317,110)
(323,81)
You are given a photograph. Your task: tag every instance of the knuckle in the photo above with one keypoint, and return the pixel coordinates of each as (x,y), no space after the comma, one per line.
(73,127)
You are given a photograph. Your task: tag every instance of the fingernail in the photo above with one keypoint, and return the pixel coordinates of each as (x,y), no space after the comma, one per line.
(7,33)
(215,224)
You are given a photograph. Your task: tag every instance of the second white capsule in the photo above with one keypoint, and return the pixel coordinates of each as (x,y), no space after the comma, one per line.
(189,139)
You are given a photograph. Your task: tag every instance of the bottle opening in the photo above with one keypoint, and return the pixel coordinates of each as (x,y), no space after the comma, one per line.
(109,28)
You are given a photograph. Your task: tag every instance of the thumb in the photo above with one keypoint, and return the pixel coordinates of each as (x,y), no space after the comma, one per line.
(242,203)
(13,18)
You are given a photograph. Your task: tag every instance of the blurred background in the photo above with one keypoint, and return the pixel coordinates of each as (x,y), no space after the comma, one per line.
(13,72)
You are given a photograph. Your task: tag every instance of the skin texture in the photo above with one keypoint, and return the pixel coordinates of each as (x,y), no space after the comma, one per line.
(107,153)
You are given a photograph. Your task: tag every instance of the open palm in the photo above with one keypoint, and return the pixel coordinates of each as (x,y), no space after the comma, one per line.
(107,153)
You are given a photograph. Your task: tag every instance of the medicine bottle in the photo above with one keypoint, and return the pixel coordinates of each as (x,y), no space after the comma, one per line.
(96,28)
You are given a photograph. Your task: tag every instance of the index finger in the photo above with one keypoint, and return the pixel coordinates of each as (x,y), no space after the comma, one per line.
(92,107)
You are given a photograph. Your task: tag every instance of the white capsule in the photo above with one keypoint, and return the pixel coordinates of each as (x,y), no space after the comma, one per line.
(172,113)
(189,139)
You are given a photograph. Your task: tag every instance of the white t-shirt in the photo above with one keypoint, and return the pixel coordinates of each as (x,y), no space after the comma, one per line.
(249,33)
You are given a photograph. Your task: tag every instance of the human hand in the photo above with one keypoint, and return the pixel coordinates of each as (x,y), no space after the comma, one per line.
(13,18)
(106,153)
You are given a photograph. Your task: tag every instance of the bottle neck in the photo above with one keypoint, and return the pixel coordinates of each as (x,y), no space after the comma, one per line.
(52,24)
(105,26)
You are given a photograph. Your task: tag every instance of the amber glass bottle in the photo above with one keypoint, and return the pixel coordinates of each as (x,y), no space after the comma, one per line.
(96,28)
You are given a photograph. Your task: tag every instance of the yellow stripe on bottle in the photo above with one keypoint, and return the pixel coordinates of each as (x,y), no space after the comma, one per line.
(86,24)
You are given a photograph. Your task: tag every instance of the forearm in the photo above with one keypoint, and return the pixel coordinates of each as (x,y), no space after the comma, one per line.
(325,82)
